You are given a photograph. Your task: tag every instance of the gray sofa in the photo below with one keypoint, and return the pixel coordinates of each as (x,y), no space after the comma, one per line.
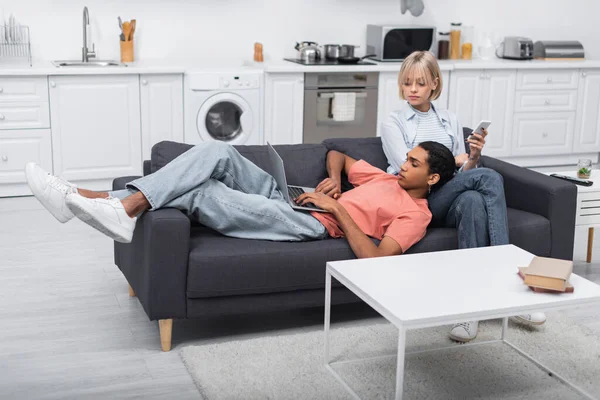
(179,269)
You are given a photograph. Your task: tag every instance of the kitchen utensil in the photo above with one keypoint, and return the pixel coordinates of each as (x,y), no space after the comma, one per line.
(132,29)
(120,23)
(347,50)
(353,60)
(415,7)
(308,50)
(332,51)
(558,50)
(126,30)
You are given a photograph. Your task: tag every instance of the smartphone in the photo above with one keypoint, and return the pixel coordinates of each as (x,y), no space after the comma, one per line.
(483,124)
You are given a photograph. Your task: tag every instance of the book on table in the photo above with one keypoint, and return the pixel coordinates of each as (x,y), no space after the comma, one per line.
(569,288)
(548,273)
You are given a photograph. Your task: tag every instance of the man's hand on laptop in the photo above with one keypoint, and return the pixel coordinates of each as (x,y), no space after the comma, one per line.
(318,199)
(330,187)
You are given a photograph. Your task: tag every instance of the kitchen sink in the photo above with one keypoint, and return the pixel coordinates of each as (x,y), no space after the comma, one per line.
(95,63)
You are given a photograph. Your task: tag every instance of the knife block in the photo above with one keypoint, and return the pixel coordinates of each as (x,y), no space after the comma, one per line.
(126,50)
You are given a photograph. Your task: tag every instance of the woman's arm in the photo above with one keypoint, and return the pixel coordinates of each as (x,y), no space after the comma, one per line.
(394,146)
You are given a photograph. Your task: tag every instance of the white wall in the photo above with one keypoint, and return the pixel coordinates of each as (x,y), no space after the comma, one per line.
(227,29)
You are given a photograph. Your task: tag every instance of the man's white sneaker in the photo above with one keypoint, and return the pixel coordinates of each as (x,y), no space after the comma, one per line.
(106,215)
(50,190)
(537,318)
(465,331)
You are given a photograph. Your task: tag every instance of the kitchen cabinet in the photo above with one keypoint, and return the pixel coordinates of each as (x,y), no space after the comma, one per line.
(587,127)
(95,127)
(477,95)
(390,100)
(284,108)
(161,100)
(17,148)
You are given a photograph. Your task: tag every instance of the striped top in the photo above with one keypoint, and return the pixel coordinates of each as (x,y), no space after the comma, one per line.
(429,127)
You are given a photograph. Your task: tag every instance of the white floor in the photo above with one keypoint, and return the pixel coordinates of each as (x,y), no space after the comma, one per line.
(71,331)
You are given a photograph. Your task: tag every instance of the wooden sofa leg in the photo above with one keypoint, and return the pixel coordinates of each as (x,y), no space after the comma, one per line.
(131,292)
(166,327)
(590,245)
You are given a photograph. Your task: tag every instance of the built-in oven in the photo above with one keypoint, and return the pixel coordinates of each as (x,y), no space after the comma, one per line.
(320,91)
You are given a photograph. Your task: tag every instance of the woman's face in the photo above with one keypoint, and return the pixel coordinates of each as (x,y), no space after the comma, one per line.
(416,90)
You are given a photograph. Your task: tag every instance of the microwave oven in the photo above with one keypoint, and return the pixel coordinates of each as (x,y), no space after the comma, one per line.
(396,42)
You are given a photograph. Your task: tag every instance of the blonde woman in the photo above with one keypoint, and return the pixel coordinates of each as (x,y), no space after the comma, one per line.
(473,201)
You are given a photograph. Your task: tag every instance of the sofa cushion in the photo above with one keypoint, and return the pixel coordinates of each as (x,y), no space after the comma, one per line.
(305,164)
(221,266)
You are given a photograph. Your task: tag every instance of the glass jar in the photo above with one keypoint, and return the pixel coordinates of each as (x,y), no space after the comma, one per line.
(584,168)
(455,29)
(467,42)
(443,46)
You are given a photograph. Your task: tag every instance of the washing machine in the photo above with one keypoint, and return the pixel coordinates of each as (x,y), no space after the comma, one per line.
(223,106)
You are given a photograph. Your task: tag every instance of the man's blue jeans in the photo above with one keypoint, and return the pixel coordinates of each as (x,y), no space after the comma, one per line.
(218,187)
(472,202)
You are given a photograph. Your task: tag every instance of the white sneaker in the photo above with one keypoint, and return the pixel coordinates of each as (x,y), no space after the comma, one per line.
(465,331)
(50,190)
(537,318)
(106,215)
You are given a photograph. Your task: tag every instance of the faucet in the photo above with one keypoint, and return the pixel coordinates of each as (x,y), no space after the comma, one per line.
(85,53)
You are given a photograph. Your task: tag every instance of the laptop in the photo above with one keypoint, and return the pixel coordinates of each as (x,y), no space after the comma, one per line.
(289,192)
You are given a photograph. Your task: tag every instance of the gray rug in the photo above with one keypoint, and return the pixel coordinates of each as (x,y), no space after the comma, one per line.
(291,366)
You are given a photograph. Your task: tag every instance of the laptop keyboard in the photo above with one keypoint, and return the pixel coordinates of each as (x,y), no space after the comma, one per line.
(294,192)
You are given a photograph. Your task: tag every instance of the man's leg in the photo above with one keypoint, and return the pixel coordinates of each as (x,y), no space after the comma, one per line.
(486,182)
(469,216)
(209,160)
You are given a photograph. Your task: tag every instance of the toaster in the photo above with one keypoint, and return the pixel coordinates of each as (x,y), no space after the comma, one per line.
(517,48)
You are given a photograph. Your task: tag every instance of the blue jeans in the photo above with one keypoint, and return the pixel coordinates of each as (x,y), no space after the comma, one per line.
(472,202)
(216,186)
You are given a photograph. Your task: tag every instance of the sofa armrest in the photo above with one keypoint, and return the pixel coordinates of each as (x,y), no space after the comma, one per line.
(119,183)
(541,194)
(155,263)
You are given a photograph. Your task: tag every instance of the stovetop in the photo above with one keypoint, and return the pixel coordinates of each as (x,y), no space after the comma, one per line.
(324,61)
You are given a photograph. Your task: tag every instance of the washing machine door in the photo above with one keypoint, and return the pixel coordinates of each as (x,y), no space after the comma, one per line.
(226,117)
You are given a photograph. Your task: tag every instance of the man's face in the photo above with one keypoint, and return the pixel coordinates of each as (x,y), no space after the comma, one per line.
(414,173)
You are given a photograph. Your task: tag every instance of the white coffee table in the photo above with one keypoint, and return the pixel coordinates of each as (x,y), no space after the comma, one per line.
(423,290)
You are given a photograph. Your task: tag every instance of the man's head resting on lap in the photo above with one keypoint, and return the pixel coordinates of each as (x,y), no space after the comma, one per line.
(428,167)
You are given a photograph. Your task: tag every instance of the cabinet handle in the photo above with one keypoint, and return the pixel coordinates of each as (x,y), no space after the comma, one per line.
(549,80)
(544,135)
(52,84)
(584,74)
(2,117)
(144,82)
(547,102)
(4,158)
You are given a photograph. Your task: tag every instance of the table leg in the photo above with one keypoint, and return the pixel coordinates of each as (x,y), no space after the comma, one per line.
(590,244)
(327,313)
(504,327)
(400,363)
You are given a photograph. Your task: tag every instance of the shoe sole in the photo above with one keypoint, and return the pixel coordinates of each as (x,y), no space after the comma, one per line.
(459,339)
(112,230)
(527,322)
(36,190)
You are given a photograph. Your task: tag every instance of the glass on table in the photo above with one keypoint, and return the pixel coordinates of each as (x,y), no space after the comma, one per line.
(584,168)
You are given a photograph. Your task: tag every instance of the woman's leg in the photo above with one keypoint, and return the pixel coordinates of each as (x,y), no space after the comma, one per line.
(489,184)
(209,160)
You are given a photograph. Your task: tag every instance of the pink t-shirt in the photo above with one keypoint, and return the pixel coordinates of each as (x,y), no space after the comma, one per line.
(380,207)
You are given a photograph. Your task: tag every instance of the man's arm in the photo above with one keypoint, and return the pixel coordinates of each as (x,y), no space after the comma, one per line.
(361,244)
(336,163)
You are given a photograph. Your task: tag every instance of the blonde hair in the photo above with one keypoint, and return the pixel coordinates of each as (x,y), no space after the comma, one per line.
(421,64)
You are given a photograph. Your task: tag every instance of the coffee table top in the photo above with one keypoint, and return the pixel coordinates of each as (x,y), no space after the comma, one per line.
(430,289)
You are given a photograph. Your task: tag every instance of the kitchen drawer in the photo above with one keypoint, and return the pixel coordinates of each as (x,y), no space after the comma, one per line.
(24,115)
(547,79)
(19,147)
(30,89)
(526,101)
(543,133)
(588,208)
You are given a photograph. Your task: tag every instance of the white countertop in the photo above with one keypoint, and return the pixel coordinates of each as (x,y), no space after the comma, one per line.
(42,67)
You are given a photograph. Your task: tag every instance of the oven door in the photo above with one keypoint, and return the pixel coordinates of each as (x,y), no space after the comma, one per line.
(319,123)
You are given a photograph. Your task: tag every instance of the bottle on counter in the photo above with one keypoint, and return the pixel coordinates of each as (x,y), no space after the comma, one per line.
(455,29)
(467,42)
(443,46)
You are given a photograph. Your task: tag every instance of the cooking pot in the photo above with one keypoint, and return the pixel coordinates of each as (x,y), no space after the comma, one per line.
(332,51)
